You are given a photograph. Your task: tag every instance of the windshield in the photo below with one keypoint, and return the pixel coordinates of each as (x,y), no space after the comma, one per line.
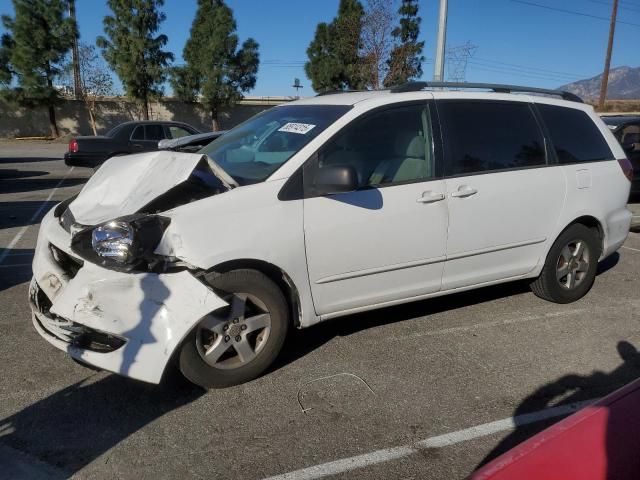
(255,149)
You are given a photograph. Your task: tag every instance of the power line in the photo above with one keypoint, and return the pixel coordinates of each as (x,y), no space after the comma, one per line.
(515,68)
(636,8)
(528,67)
(573,12)
(515,73)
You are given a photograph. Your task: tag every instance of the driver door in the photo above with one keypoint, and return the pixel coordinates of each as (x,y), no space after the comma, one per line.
(385,241)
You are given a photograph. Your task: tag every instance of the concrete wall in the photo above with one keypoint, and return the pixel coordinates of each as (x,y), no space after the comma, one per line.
(73,118)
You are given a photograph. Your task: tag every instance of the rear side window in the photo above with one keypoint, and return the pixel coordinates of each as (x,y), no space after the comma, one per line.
(487,136)
(574,135)
(153,132)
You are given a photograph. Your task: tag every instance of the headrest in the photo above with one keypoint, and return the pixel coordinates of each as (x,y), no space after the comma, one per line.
(631,138)
(410,145)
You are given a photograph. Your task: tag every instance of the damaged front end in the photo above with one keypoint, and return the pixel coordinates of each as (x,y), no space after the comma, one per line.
(99,291)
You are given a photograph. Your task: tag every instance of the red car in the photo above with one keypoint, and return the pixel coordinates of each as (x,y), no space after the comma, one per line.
(600,442)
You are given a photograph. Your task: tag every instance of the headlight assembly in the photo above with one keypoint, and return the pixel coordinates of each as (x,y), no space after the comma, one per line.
(114,240)
(126,243)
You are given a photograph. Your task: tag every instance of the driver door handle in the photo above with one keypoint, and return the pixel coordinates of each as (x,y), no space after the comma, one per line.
(464,191)
(430,197)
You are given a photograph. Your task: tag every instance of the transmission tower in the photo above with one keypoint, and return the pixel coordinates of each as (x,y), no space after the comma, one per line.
(457,58)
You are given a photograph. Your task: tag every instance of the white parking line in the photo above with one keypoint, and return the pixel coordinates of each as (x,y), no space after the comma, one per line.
(629,248)
(33,218)
(388,454)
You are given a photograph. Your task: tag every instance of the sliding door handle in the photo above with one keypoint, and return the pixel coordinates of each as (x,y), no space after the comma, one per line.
(430,197)
(464,191)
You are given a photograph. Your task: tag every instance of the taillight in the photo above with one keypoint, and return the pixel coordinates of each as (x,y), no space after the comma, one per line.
(627,168)
(73,146)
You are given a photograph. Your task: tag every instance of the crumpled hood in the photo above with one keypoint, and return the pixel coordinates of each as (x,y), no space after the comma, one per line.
(124,185)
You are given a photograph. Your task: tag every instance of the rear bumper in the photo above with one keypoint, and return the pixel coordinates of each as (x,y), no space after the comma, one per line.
(126,323)
(617,227)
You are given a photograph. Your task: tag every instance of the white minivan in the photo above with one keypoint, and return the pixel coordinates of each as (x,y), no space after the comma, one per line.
(321,208)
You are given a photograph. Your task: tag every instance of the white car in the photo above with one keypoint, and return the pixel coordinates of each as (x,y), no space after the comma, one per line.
(321,208)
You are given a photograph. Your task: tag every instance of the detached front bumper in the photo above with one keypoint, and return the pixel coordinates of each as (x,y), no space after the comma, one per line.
(127,323)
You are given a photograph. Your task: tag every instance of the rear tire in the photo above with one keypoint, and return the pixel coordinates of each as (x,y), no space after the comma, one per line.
(237,343)
(570,268)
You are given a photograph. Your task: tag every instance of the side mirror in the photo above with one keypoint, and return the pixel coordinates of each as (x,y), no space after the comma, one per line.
(335,179)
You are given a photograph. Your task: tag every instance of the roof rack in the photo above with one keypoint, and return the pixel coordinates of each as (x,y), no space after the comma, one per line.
(417,86)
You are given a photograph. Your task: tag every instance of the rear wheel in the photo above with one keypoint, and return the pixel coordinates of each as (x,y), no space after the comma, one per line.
(237,343)
(571,265)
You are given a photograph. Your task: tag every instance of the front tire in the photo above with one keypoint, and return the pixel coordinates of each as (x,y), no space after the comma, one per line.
(570,268)
(237,343)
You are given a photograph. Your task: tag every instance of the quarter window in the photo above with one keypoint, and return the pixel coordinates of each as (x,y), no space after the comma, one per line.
(574,135)
(488,136)
(387,147)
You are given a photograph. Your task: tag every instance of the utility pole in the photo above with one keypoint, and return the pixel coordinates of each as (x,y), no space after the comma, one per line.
(77,83)
(607,62)
(438,73)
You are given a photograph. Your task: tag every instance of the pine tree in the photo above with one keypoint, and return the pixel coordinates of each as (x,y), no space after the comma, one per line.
(333,53)
(405,62)
(215,68)
(134,50)
(32,52)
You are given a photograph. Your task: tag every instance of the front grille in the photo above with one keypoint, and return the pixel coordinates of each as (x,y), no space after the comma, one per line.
(68,331)
(66,262)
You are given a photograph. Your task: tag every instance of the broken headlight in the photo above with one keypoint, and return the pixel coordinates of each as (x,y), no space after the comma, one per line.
(113,240)
(125,243)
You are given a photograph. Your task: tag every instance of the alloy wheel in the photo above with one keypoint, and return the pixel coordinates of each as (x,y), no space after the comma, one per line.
(573,264)
(233,336)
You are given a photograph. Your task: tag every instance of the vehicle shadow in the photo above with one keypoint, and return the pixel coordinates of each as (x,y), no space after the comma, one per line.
(31,184)
(16,268)
(6,173)
(303,342)
(72,427)
(19,214)
(18,160)
(566,390)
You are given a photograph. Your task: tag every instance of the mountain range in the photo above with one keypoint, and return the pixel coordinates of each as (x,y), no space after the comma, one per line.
(624,84)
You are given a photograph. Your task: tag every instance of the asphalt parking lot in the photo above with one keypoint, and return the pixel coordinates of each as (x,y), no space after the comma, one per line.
(426,390)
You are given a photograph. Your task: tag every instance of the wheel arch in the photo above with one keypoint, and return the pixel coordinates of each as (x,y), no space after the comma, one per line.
(278,275)
(592,223)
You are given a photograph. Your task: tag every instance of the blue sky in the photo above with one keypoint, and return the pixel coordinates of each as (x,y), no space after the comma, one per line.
(517,42)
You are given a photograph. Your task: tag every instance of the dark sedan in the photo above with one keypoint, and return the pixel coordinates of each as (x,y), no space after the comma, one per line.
(190,143)
(626,128)
(126,138)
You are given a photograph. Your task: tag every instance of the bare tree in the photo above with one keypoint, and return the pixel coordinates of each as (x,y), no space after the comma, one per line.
(96,81)
(377,41)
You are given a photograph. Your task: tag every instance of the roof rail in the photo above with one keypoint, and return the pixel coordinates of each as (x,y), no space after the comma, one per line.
(417,86)
(334,92)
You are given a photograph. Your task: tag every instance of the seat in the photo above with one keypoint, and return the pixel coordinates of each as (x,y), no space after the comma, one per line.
(408,163)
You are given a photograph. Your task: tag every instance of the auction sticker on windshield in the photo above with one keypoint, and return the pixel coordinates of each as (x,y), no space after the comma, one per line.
(300,128)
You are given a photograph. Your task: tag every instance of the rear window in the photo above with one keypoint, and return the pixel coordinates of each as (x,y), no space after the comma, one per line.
(487,136)
(574,135)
